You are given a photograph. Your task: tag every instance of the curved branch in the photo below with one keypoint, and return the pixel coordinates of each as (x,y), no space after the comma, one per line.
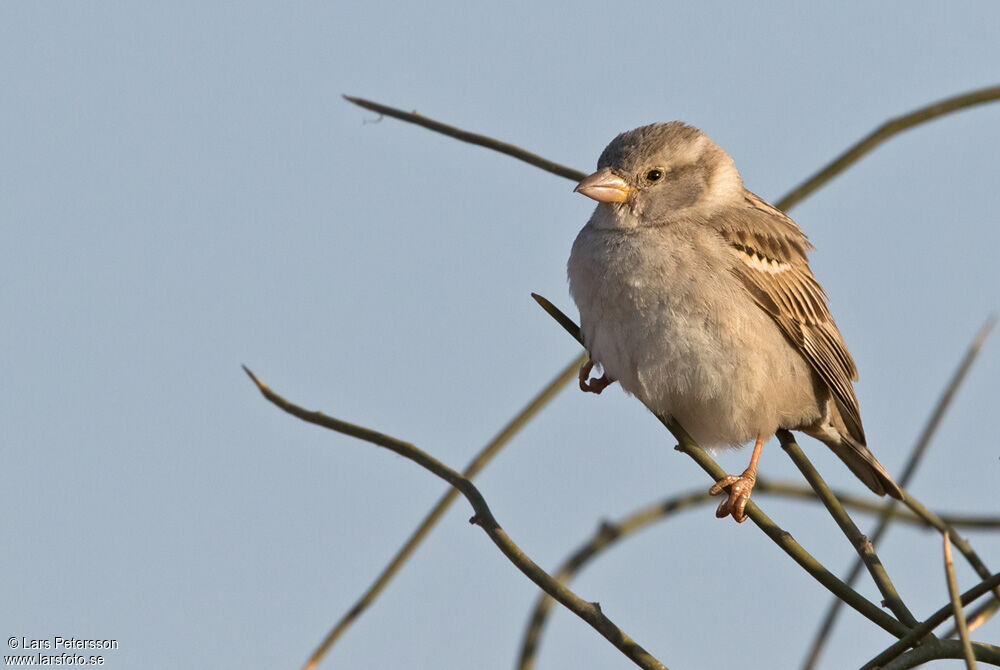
(944,649)
(881,134)
(589,612)
(978,617)
(471,470)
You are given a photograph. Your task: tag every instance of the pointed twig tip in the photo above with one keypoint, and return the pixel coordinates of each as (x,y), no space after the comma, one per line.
(257,382)
(983,334)
(560,318)
(987,327)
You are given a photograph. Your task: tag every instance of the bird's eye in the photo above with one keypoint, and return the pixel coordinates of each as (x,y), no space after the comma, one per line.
(654,175)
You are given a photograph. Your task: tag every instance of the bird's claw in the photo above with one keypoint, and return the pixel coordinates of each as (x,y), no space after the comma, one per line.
(739,495)
(593,385)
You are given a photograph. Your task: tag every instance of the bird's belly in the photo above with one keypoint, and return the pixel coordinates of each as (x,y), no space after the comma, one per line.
(720,366)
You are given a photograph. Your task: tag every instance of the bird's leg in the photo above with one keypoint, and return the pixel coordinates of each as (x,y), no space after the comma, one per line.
(739,494)
(593,385)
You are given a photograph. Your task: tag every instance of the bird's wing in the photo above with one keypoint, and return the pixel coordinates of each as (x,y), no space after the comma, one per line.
(772,265)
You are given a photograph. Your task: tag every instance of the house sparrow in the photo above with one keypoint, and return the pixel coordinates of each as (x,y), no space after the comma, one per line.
(696,296)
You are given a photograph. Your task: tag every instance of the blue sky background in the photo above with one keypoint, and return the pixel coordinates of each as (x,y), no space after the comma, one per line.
(183,190)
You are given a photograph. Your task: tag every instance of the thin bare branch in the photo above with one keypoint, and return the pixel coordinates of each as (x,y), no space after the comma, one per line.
(781,537)
(939,649)
(861,544)
(567,323)
(979,616)
(870,505)
(588,611)
(929,624)
(957,540)
(471,470)
(967,521)
(881,134)
(947,396)
(916,455)
(610,534)
(471,138)
(956,605)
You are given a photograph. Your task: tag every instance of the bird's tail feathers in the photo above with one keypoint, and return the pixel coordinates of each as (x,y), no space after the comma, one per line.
(859,459)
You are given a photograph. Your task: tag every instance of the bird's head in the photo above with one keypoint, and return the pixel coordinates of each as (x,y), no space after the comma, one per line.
(649,175)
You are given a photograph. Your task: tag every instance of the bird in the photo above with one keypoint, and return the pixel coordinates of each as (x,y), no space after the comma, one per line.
(696,296)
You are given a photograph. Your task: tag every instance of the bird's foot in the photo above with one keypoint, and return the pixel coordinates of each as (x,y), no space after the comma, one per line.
(739,495)
(739,487)
(593,385)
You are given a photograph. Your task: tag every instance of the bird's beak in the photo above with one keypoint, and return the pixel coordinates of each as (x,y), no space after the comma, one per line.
(604,186)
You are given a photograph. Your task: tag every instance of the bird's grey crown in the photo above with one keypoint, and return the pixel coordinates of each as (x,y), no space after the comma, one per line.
(640,145)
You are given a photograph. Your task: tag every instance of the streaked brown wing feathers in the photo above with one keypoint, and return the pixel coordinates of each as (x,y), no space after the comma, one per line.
(774,269)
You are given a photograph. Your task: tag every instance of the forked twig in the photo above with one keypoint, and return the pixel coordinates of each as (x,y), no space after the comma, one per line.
(588,611)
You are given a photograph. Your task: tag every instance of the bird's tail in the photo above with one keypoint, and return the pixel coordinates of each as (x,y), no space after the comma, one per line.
(862,463)
(851,448)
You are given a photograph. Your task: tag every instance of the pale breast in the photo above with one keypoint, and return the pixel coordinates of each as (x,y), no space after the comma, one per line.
(664,316)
